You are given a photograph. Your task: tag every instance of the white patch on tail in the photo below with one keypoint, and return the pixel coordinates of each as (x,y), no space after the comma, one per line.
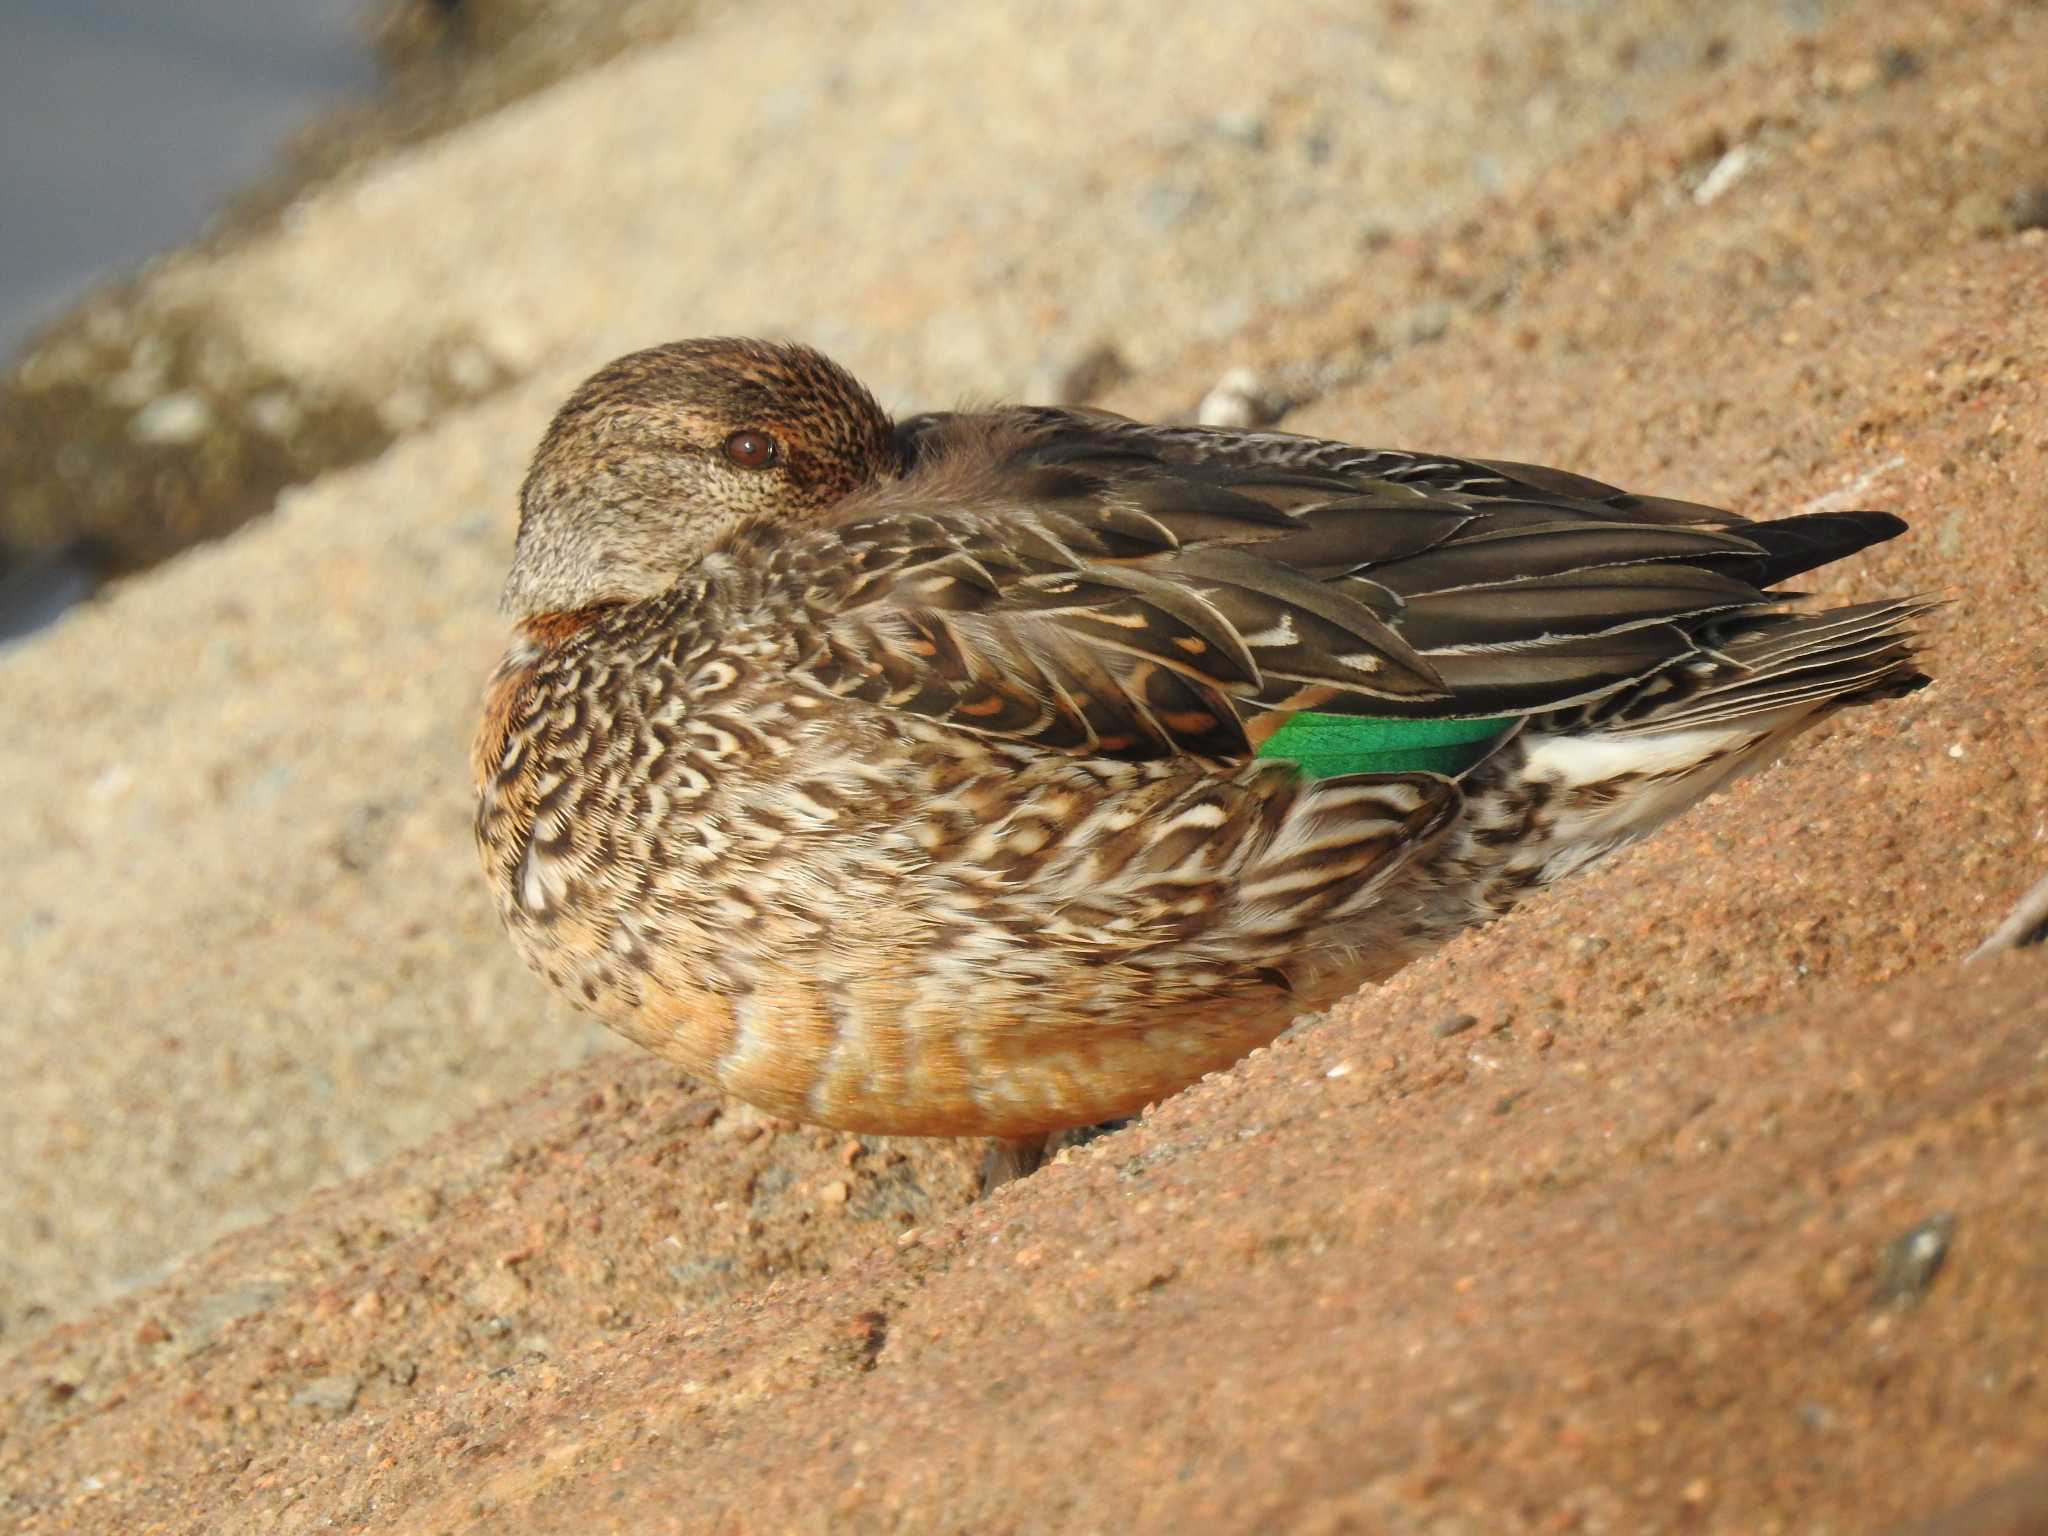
(1577,760)
(1665,773)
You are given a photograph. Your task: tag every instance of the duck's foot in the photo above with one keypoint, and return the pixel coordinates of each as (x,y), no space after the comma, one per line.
(2026,924)
(1012,1157)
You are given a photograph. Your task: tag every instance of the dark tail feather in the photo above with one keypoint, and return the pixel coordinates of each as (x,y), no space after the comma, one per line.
(1765,663)
(1795,545)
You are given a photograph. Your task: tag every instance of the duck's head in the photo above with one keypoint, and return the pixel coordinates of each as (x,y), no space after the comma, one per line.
(659,457)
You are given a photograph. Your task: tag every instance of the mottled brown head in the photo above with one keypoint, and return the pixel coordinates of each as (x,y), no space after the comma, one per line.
(661,456)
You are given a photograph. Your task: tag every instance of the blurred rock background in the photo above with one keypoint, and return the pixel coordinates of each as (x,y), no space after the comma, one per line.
(1772,252)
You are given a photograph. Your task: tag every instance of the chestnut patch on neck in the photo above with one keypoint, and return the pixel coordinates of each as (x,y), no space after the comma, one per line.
(541,633)
(548,630)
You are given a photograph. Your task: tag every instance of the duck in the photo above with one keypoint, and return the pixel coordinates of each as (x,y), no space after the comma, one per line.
(1002,771)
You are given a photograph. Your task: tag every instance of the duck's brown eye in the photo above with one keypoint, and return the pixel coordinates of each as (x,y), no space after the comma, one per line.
(752,449)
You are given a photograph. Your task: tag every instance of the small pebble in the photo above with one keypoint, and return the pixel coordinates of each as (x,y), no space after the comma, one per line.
(1728,170)
(274,412)
(331,1395)
(1246,129)
(1428,321)
(1094,373)
(742,1125)
(1816,1415)
(172,420)
(1241,399)
(1456,1024)
(1907,1266)
(2030,207)
(470,369)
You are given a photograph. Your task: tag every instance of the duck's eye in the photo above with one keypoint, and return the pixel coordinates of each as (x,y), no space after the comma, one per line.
(752,449)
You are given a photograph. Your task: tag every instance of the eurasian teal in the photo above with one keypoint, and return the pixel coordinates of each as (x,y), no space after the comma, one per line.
(985,773)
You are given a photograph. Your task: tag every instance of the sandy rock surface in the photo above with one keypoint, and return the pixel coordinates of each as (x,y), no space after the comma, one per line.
(1705,1193)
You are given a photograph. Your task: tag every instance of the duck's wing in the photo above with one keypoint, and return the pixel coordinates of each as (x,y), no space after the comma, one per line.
(1091,585)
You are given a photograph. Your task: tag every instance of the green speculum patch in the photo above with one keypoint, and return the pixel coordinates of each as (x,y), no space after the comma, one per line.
(1327,745)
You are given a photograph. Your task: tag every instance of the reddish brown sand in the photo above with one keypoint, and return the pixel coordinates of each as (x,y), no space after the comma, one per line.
(1629,1251)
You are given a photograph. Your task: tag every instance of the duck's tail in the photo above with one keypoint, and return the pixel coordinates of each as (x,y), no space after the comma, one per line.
(1762,667)
(1598,779)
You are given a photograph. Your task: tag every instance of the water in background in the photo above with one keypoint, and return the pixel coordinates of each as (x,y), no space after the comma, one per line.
(127,122)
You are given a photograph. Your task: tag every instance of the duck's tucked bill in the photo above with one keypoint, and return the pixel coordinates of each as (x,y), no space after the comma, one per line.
(1001,771)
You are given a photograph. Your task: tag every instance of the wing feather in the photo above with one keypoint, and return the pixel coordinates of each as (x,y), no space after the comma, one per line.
(1087,584)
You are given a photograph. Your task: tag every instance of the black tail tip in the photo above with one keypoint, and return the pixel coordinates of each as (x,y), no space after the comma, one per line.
(1876,526)
(1794,545)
